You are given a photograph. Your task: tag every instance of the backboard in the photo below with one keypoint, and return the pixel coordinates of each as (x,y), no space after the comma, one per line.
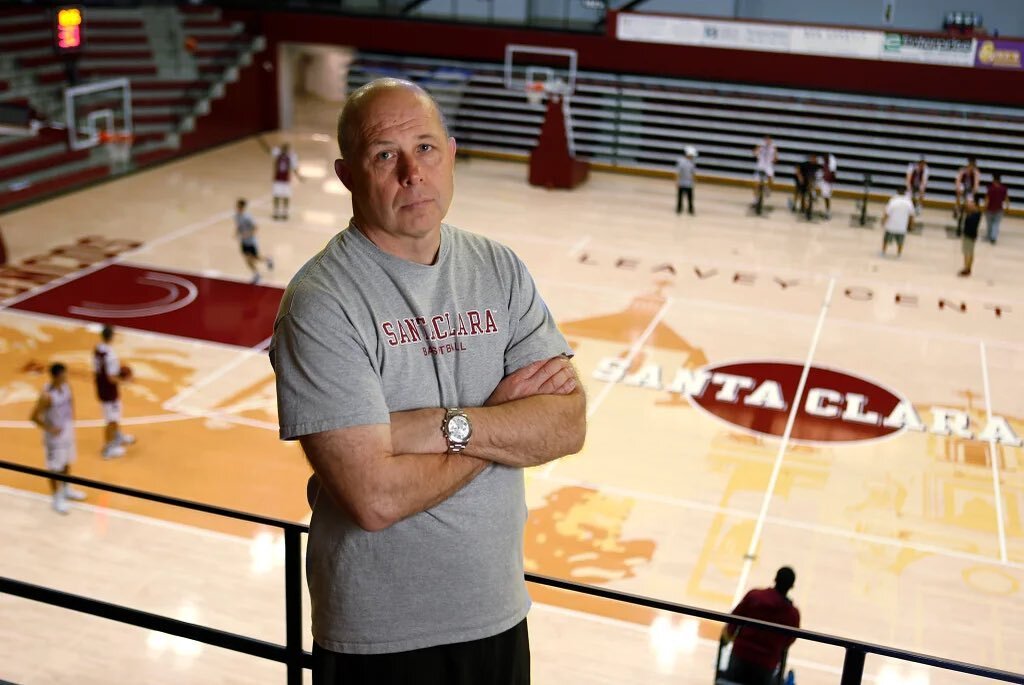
(94,108)
(555,68)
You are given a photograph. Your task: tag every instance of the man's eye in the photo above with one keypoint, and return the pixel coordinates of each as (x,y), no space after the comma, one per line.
(385,155)
(426,147)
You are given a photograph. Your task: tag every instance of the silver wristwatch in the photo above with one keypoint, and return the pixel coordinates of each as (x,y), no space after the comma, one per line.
(456,429)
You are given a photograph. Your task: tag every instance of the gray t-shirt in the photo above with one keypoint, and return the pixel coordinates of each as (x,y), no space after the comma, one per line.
(684,172)
(245,228)
(361,333)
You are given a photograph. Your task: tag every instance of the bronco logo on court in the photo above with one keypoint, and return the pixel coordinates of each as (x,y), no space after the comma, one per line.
(834,406)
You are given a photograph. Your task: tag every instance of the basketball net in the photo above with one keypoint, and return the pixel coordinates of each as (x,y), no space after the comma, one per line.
(535,92)
(119,147)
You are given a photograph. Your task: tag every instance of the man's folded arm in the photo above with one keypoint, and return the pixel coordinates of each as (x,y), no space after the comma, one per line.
(535,415)
(377,487)
(530,431)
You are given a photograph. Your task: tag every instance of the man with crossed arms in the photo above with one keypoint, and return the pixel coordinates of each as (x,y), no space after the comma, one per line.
(421,371)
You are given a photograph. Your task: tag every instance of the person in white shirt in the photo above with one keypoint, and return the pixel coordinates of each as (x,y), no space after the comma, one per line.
(897,221)
(684,177)
(826,180)
(54,413)
(767,154)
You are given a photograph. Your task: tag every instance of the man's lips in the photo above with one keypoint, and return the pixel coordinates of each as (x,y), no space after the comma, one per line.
(416,203)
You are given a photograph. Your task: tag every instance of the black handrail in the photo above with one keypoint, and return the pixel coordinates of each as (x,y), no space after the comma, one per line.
(296,658)
(149,621)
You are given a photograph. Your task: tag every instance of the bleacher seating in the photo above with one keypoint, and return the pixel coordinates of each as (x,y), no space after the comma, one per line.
(640,122)
(171,85)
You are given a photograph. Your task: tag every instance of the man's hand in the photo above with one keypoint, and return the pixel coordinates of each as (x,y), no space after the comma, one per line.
(535,414)
(53,430)
(553,376)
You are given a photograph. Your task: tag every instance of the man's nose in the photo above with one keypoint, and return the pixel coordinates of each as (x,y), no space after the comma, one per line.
(409,170)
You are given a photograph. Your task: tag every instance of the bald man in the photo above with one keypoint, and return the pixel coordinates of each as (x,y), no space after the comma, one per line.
(421,371)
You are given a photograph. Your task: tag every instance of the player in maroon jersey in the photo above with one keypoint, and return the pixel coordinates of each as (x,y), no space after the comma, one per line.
(285,164)
(109,373)
(917,182)
(968,182)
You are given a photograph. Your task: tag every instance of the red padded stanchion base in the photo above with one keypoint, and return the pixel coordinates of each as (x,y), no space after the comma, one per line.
(550,163)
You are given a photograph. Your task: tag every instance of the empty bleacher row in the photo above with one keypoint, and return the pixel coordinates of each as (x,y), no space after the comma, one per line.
(176,60)
(642,123)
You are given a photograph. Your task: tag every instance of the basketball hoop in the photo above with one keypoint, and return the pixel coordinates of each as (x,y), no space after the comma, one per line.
(119,149)
(535,92)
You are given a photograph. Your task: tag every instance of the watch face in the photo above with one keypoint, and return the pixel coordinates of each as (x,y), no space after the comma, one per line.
(458,428)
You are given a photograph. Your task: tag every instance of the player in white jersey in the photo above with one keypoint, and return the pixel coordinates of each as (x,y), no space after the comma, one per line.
(54,413)
(826,180)
(767,154)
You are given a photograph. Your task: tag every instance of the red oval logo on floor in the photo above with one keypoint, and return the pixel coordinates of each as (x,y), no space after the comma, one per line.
(835,406)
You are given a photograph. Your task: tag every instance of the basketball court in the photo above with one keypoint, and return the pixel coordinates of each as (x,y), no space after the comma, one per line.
(762,391)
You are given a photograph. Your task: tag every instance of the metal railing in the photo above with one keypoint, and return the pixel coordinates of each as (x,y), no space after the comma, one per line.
(296,658)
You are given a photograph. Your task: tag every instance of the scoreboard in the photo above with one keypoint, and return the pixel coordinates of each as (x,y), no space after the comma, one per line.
(68,29)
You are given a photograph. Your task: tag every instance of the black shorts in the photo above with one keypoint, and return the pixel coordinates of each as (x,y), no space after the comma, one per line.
(503,659)
(898,238)
(250,250)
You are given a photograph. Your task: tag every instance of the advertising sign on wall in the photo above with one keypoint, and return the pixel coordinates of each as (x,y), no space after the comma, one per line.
(1000,54)
(803,40)
(908,47)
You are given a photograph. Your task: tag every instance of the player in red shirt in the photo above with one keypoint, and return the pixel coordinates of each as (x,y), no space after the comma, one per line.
(997,201)
(285,164)
(109,373)
(756,654)
(917,182)
(968,182)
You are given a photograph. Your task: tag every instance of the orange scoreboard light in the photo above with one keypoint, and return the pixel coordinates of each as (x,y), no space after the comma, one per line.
(69,29)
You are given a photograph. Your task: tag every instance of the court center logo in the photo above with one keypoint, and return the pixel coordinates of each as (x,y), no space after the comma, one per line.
(835,406)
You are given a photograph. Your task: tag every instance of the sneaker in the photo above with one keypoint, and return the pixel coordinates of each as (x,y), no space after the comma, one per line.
(255,279)
(73,494)
(270,263)
(60,504)
(965,272)
(125,439)
(112,451)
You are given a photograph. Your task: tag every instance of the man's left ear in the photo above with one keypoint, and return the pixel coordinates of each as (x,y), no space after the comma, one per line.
(451,146)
